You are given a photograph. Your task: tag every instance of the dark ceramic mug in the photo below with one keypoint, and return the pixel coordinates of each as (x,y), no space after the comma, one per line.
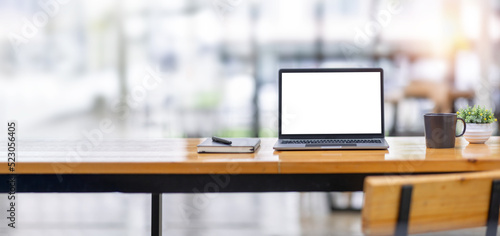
(440,129)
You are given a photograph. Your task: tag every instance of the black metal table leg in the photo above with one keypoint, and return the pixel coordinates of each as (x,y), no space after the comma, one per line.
(156,214)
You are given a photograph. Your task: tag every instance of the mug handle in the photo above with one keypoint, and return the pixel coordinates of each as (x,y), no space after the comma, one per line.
(463,121)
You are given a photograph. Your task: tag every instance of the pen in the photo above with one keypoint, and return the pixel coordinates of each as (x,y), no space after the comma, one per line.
(220,140)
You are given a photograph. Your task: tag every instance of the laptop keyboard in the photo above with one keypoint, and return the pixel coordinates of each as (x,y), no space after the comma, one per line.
(330,141)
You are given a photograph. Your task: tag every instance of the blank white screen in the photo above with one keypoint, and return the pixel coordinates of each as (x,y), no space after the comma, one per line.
(331,103)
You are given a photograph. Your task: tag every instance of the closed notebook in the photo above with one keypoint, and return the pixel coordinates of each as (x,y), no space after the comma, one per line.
(239,145)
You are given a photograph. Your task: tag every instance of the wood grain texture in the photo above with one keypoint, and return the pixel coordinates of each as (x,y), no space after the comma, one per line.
(145,156)
(439,202)
(405,155)
(179,156)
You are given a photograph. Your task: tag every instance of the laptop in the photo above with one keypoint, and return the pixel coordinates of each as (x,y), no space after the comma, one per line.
(331,109)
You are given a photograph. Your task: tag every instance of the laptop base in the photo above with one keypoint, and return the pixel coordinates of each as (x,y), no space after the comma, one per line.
(280,146)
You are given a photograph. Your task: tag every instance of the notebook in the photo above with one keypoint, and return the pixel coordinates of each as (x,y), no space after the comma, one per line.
(238,145)
(332,109)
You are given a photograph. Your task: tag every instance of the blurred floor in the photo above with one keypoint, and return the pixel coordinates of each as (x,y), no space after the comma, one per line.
(184,215)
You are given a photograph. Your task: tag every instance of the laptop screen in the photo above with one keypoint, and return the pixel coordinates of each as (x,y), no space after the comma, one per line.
(331,102)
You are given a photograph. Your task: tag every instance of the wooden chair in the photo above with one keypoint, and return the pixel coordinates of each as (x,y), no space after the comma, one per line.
(399,205)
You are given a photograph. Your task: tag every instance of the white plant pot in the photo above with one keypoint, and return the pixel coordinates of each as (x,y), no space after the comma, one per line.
(478,133)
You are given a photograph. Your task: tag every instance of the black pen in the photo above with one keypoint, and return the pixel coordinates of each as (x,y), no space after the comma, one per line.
(220,140)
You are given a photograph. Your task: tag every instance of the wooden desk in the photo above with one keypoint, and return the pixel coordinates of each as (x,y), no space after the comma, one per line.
(179,156)
(173,165)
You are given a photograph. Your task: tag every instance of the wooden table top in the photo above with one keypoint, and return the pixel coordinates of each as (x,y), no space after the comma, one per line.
(179,156)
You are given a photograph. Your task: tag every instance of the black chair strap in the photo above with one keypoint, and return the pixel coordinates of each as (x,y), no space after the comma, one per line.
(492,223)
(404,210)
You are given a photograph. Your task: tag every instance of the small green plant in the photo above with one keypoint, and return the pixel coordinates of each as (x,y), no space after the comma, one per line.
(476,114)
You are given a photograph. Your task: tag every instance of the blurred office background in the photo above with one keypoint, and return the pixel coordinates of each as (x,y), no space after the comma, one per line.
(196,68)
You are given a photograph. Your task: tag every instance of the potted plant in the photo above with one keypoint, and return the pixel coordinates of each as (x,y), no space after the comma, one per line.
(479,123)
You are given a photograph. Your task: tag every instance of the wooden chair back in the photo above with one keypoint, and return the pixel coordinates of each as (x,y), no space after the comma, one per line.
(401,205)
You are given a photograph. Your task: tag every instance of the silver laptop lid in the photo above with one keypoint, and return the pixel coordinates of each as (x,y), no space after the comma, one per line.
(331,103)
